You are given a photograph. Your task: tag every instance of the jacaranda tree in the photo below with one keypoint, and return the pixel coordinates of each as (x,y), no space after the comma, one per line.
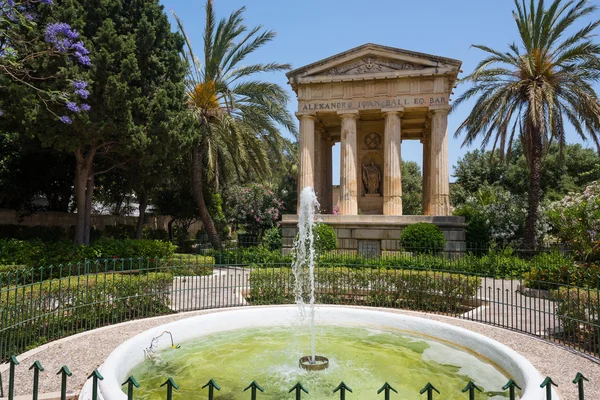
(134,87)
(528,92)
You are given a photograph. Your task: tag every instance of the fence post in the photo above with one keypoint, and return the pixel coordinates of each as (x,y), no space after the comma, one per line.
(299,389)
(471,387)
(342,388)
(1,386)
(579,379)
(37,368)
(64,371)
(212,385)
(429,389)
(387,387)
(254,386)
(11,377)
(131,382)
(548,383)
(511,385)
(95,377)
(170,385)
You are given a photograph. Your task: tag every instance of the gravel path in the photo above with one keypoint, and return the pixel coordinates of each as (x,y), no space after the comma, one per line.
(84,352)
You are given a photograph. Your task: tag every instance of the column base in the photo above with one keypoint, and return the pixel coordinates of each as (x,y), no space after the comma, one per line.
(440,205)
(392,205)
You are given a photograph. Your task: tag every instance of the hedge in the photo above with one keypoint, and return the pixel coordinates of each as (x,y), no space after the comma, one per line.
(35,253)
(578,311)
(39,313)
(409,289)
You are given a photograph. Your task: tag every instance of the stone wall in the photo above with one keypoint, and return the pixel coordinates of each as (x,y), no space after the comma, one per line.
(66,220)
(378,233)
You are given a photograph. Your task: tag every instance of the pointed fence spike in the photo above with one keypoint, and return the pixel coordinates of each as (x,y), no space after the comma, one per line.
(471,387)
(37,368)
(579,379)
(548,383)
(11,376)
(429,388)
(511,385)
(96,376)
(299,389)
(254,386)
(342,387)
(130,382)
(64,372)
(386,389)
(170,385)
(212,385)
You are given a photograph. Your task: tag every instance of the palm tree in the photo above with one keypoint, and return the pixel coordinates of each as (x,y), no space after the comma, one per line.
(239,117)
(528,92)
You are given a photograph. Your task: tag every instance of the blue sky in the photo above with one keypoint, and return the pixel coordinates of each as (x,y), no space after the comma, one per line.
(311,30)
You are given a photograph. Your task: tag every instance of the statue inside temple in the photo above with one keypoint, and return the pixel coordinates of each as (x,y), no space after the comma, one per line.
(371,178)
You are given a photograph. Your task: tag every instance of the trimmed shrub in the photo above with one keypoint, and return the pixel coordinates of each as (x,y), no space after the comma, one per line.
(423,237)
(57,308)
(417,290)
(119,231)
(578,311)
(155,234)
(325,238)
(23,232)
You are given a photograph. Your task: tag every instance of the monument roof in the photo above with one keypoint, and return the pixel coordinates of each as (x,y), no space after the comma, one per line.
(374,61)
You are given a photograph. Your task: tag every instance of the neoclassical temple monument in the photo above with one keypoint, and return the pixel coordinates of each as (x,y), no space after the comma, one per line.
(370,99)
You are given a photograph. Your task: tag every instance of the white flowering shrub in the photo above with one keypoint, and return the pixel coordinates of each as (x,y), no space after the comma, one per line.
(576,221)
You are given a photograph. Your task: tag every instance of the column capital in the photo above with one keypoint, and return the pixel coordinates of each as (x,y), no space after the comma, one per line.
(301,115)
(348,114)
(392,111)
(442,109)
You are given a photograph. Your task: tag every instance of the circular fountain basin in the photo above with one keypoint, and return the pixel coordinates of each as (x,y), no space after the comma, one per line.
(130,354)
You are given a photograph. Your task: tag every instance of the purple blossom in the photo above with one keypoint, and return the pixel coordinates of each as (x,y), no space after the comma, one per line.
(11,3)
(83,59)
(85,107)
(1,113)
(61,35)
(80,84)
(72,106)
(29,16)
(48,2)
(83,93)
(66,120)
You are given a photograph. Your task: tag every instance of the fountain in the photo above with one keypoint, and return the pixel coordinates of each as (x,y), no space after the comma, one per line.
(304,256)
(366,347)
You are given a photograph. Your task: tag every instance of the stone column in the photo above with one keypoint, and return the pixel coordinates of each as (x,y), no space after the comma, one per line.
(439,181)
(348,176)
(392,163)
(318,164)
(425,141)
(307,151)
(329,177)
(321,172)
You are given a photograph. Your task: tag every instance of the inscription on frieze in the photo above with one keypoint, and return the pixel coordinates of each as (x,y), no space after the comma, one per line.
(370,104)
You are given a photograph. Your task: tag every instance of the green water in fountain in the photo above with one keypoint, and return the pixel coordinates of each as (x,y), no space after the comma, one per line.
(363,358)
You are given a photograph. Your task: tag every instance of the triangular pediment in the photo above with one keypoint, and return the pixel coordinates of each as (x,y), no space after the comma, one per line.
(373,61)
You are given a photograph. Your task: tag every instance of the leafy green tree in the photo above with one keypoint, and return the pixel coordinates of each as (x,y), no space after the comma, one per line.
(528,92)
(238,116)
(412,189)
(135,91)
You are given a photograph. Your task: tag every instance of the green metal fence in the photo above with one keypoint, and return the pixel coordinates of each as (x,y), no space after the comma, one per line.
(341,391)
(545,294)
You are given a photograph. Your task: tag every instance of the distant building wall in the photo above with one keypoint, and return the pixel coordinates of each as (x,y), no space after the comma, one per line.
(66,220)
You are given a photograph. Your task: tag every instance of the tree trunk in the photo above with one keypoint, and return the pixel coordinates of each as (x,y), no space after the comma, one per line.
(89,196)
(197,185)
(142,217)
(535,175)
(84,191)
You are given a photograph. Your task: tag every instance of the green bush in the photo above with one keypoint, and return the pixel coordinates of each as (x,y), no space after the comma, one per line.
(131,248)
(417,290)
(423,237)
(579,314)
(57,308)
(325,238)
(23,232)
(155,234)
(272,238)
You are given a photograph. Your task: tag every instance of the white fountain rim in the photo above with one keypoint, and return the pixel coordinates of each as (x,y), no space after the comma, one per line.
(118,364)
